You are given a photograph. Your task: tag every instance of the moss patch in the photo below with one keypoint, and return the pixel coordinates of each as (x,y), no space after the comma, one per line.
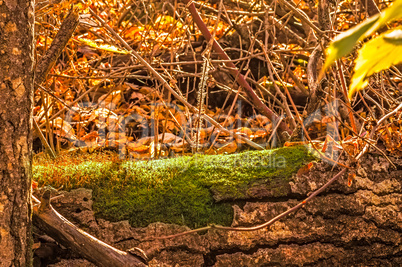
(176,190)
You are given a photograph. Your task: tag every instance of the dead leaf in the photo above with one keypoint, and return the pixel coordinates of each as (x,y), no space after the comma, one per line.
(305,169)
(110,101)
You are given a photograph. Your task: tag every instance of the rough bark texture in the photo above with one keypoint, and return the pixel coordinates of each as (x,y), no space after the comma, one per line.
(360,225)
(16,90)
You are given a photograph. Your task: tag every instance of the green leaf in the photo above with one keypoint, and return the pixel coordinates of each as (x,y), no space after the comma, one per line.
(389,14)
(343,43)
(376,55)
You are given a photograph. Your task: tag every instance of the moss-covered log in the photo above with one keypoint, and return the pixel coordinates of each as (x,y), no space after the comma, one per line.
(193,191)
(356,225)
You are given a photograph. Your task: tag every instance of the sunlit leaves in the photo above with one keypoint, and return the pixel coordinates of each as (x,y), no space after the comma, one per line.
(104,47)
(167,23)
(344,42)
(392,13)
(376,55)
(160,34)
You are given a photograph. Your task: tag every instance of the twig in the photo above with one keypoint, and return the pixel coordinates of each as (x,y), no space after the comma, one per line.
(52,95)
(272,70)
(288,31)
(367,141)
(388,115)
(298,83)
(79,241)
(345,94)
(235,12)
(74,102)
(43,139)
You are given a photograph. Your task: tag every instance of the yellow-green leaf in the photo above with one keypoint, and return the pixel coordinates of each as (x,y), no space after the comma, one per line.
(104,47)
(393,12)
(376,55)
(343,43)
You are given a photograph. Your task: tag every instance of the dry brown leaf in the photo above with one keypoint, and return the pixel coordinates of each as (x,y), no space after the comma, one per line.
(110,101)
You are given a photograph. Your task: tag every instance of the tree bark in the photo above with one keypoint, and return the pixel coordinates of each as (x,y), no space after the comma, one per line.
(16,90)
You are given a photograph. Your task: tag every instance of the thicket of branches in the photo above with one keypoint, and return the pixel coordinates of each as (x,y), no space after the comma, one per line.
(145,78)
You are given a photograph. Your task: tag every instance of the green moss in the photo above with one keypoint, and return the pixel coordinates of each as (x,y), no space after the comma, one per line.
(176,190)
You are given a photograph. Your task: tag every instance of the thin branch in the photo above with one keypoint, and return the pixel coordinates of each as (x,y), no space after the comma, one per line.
(345,94)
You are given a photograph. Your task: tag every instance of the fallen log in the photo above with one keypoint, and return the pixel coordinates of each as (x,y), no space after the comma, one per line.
(82,243)
(357,223)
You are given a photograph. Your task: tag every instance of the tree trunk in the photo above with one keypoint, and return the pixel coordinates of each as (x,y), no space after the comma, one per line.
(16,90)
